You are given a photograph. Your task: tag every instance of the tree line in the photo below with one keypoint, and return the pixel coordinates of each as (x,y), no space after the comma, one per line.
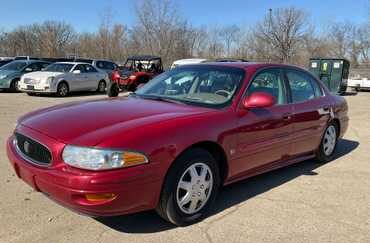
(284,35)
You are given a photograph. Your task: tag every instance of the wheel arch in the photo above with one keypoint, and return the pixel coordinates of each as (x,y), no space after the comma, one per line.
(217,152)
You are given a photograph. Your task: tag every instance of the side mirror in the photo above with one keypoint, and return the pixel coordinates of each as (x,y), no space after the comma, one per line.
(76,71)
(259,100)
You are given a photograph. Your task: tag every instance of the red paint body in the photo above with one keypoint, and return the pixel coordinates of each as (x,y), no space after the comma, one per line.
(253,141)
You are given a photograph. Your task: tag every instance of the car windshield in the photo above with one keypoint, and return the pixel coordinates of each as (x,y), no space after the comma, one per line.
(14,66)
(195,84)
(59,67)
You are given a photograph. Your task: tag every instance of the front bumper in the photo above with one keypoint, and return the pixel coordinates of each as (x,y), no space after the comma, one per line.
(137,188)
(35,88)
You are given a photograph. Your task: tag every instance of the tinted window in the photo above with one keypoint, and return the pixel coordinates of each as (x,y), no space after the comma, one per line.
(109,65)
(15,66)
(300,86)
(100,64)
(81,68)
(90,69)
(269,81)
(59,67)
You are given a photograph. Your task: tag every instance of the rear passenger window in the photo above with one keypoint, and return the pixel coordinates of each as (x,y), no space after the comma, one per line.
(100,64)
(316,87)
(300,86)
(269,81)
(109,66)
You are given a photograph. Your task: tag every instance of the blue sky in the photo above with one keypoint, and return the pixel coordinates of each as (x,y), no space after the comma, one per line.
(85,15)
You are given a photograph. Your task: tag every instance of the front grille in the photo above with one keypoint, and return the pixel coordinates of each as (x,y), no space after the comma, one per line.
(31,81)
(32,150)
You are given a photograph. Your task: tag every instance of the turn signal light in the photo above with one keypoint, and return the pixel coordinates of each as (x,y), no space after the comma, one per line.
(100,197)
(131,158)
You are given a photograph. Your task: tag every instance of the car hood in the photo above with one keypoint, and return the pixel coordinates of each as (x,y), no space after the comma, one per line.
(41,75)
(89,123)
(8,72)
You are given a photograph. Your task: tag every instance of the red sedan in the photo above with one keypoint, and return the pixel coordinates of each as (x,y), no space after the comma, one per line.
(174,142)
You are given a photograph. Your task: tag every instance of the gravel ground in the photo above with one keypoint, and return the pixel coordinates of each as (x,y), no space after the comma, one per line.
(306,202)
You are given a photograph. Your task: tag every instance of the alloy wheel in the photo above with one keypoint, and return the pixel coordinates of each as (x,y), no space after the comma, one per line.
(194,188)
(329,141)
(63,90)
(101,87)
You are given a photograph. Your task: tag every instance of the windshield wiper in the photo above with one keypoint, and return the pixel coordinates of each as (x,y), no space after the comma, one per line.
(158,98)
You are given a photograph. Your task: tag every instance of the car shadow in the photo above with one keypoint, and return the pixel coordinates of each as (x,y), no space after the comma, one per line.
(231,195)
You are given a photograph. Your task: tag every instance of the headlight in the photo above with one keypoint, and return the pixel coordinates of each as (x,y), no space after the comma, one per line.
(49,80)
(132,77)
(3,76)
(101,159)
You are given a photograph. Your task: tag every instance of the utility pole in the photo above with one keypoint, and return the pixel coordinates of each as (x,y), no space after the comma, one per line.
(269,31)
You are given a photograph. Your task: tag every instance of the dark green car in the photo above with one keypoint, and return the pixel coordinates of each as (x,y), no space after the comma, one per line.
(11,73)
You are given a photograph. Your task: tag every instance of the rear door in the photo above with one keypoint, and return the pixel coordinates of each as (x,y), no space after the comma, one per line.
(311,111)
(264,133)
(92,77)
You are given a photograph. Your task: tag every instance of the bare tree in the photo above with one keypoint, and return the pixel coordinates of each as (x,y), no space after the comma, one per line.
(283,30)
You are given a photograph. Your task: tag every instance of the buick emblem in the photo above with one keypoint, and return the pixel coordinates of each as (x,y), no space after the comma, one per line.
(26,146)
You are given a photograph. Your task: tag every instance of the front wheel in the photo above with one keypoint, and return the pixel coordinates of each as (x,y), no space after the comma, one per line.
(190,188)
(62,90)
(328,144)
(113,90)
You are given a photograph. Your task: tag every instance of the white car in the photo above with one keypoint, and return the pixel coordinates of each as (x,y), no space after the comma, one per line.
(64,77)
(187,62)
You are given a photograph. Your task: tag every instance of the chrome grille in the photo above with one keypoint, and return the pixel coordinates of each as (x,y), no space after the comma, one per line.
(32,150)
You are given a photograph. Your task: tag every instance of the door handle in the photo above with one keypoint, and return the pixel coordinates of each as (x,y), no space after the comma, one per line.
(287,116)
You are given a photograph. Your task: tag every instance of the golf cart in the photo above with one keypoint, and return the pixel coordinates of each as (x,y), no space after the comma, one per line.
(136,71)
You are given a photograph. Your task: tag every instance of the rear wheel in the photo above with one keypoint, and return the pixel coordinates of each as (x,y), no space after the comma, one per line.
(328,144)
(113,90)
(62,90)
(102,86)
(190,188)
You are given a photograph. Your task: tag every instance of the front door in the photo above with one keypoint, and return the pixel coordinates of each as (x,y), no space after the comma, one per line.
(264,133)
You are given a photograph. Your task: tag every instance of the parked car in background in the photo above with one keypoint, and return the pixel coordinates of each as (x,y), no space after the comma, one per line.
(11,73)
(64,77)
(136,71)
(5,61)
(26,58)
(187,61)
(174,142)
(230,60)
(105,65)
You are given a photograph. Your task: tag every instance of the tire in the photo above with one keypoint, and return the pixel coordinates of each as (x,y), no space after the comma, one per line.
(113,90)
(63,89)
(326,150)
(102,87)
(31,94)
(201,192)
(14,85)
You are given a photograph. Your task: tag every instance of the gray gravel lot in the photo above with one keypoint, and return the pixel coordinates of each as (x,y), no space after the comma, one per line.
(306,202)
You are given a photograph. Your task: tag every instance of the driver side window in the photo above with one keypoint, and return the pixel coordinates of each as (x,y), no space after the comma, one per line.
(271,82)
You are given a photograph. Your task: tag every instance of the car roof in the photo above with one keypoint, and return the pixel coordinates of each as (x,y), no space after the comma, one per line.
(245,65)
(144,58)
(190,60)
(72,63)
(30,61)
